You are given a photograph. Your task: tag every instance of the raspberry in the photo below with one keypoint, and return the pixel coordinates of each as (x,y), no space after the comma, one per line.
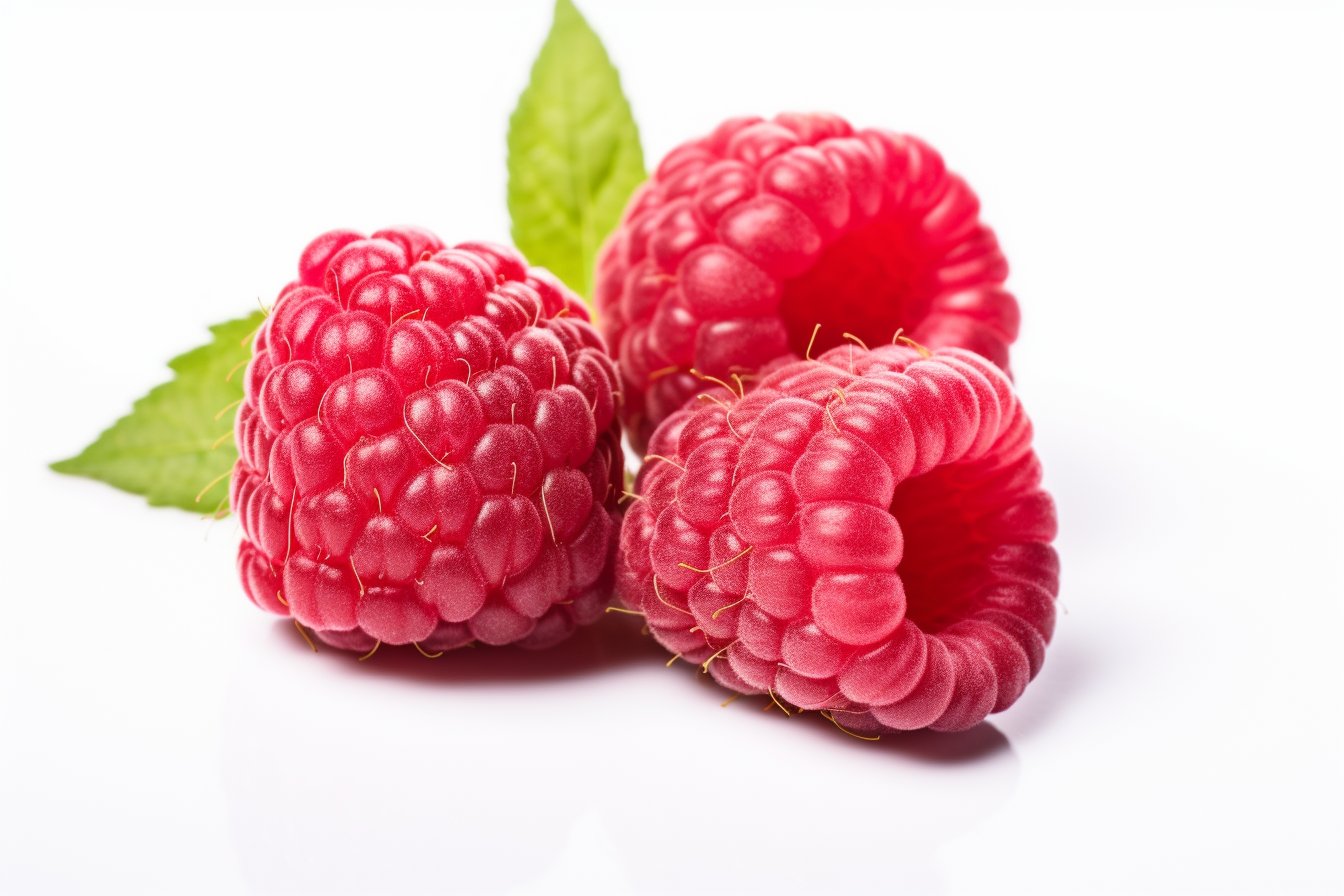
(864,535)
(744,241)
(428,449)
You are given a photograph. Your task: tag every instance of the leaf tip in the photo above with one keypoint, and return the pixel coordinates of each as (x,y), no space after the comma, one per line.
(574,155)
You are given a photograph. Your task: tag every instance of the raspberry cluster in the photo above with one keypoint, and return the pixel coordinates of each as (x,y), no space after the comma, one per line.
(428,448)
(744,241)
(429,442)
(864,534)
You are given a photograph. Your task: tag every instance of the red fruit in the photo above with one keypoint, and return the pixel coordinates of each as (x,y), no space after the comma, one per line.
(742,242)
(427,448)
(864,534)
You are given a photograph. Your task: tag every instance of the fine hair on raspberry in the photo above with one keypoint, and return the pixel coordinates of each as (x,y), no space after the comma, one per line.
(428,448)
(864,534)
(765,237)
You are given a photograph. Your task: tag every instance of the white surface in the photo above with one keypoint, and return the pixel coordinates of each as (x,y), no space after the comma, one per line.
(1165,179)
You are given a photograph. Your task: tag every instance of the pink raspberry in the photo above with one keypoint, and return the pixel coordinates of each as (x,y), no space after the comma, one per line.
(864,535)
(744,241)
(428,449)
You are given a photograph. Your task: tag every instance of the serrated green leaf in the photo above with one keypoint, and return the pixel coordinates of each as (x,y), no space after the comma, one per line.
(574,153)
(169,448)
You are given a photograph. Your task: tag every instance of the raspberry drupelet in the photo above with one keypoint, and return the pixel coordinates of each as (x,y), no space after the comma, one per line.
(743,241)
(428,448)
(864,534)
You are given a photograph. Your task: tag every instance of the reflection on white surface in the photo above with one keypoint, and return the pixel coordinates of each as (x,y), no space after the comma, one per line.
(464,774)
(401,771)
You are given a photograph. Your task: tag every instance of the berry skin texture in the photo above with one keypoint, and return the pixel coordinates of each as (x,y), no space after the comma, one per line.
(428,449)
(864,534)
(744,241)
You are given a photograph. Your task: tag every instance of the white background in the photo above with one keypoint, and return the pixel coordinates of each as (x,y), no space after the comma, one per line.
(1165,179)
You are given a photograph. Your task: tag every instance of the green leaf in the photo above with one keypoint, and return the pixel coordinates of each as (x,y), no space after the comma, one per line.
(574,153)
(169,447)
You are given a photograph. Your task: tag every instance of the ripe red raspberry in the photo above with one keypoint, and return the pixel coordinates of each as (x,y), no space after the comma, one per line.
(744,241)
(427,448)
(865,534)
